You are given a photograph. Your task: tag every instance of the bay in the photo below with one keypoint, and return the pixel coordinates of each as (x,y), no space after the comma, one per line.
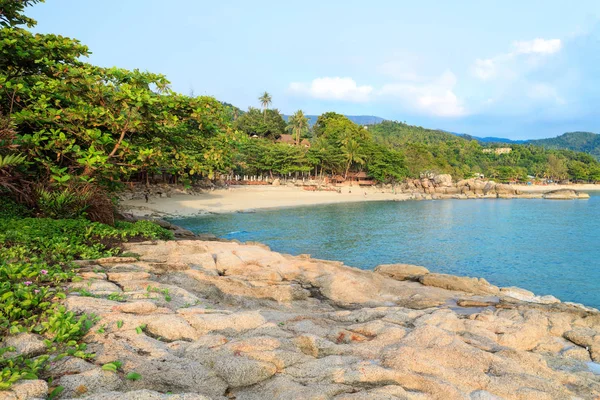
(548,247)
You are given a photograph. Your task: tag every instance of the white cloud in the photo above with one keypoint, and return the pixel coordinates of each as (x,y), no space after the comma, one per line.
(425,95)
(537,46)
(544,92)
(333,88)
(525,55)
(484,69)
(431,97)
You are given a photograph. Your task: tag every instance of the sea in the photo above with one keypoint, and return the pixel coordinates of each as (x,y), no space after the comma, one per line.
(546,246)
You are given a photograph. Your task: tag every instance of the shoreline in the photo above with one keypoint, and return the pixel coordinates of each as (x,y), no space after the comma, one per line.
(251,198)
(260,324)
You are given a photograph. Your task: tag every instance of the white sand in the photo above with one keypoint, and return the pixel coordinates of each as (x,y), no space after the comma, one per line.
(246,198)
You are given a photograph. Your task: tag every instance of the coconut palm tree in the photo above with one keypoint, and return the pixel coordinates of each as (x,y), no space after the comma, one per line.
(265,101)
(298,124)
(353,153)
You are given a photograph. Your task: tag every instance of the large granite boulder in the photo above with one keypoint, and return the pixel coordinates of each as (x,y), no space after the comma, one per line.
(401,272)
(565,194)
(461,283)
(443,180)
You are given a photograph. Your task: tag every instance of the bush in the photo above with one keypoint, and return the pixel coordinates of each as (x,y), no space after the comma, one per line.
(36,257)
(11,209)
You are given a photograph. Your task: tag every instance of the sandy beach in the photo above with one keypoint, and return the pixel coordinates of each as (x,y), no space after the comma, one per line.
(249,198)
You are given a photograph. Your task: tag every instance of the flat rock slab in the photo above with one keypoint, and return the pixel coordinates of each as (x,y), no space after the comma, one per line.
(216,320)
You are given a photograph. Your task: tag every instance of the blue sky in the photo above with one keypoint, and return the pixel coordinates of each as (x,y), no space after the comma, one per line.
(517,69)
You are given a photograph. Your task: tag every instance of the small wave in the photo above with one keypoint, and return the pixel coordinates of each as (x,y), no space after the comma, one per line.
(236,233)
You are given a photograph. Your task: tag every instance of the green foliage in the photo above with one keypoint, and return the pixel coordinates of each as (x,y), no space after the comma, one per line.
(112,366)
(298,125)
(133,376)
(56,392)
(61,204)
(586,142)
(10,209)
(268,123)
(12,12)
(36,257)
(426,150)
(78,122)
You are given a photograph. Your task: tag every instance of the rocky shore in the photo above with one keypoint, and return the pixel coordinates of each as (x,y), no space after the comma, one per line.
(437,187)
(220,320)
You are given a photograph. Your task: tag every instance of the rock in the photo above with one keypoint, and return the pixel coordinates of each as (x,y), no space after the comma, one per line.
(464,284)
(483,395)
(239,371)
(171,328)
(138,307)
(70,366)
(176,374)
(97,287)
(26,344)
(401,272)
(517,293)
(29,389)
(90,305)
(89,382)
(444,180)
(248,323)
(276,182)
(565,194)
(128,276)
(237,322)
(183,233)
(502,189)
(145,395)
(116,260)
(474,303)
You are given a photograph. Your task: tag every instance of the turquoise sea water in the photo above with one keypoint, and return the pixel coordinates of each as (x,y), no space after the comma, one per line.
(549,247)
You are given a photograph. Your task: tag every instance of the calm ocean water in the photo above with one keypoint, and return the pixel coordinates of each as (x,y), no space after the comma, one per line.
(548,247)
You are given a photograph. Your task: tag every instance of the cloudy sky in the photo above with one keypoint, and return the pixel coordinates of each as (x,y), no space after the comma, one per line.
(517,69)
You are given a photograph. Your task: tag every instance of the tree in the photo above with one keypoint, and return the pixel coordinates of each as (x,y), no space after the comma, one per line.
(265,102)
(11,12)
(353,153)
(323,120)
(270,124)
(298,124)
(557,167)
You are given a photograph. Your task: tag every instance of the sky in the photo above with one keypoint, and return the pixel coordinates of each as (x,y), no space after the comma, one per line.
(514,69)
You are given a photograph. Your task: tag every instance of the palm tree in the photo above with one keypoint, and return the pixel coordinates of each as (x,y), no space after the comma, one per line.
(353,153)
(298,123)
(265,102)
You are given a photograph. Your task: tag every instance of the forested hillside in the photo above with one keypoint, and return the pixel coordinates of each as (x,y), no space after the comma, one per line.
(440,151)
(587,142)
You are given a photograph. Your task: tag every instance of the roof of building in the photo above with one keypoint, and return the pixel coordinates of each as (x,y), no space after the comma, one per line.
(360,174)
(286,138)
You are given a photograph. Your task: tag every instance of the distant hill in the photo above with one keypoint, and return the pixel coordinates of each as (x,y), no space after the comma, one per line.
(488,139)
(586,142)
(393,133)
(357,119)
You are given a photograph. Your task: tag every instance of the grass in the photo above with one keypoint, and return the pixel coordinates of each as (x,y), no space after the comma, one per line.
(36,264)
